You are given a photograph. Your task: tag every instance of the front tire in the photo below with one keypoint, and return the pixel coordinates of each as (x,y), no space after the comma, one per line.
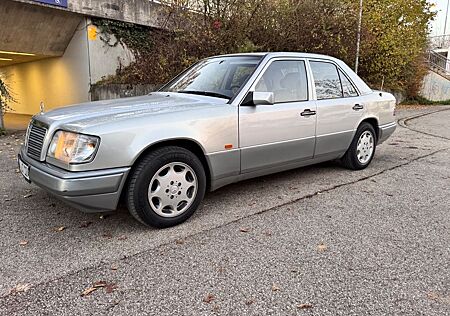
(166,187)
(362,149)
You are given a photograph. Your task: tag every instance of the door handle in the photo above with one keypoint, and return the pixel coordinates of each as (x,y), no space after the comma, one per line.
(358,107)
(308,112)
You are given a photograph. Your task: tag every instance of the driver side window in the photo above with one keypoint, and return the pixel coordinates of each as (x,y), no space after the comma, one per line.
(287,80)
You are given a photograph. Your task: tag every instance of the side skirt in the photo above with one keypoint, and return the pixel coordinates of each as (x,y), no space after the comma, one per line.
(218,183)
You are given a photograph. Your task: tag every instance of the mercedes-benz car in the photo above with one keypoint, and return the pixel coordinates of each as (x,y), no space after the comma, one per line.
(225,119)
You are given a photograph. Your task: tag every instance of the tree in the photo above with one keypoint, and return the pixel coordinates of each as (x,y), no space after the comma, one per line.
(5,98)
(394,36)
(394,43)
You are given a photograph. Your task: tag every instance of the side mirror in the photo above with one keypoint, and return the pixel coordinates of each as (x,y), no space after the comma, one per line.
(263,98)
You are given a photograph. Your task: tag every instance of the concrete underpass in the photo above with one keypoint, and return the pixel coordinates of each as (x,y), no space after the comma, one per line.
(51,53)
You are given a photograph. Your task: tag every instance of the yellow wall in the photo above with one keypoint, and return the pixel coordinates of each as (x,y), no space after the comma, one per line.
(58,81)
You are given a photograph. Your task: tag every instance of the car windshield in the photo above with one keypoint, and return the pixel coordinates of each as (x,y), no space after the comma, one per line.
(220,77)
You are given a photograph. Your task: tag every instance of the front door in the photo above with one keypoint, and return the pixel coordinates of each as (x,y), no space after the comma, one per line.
(283,132)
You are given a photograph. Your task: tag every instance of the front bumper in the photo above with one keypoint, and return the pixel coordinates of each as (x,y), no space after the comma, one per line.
(90,191)
(385,131)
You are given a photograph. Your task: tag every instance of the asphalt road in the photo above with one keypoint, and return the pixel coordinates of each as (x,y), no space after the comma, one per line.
(319,240)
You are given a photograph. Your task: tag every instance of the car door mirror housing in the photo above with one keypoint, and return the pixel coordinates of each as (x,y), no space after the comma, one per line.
(263,98)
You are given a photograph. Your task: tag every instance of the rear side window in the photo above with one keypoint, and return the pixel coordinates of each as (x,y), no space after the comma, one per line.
(326,80)
(286,79)
(347,87)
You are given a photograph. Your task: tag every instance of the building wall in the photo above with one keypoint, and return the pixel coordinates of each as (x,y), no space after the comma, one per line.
(144,12)
(35,29)
(435,87)
(106,55)
(57,81)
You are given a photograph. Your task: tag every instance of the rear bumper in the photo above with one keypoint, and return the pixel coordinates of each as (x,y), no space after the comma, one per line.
(385,131)
(90,191)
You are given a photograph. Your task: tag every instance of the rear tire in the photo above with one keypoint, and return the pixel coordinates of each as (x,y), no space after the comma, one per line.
(362,149)
(166,187)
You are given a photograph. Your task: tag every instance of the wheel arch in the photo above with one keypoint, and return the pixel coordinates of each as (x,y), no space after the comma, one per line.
(374,122)
(185,143)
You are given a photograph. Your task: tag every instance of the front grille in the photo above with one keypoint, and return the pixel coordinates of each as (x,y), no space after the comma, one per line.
(35,141)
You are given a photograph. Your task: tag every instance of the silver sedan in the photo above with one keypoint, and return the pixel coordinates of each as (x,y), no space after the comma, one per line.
(223,120)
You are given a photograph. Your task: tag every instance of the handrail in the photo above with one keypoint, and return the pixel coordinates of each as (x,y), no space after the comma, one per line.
(441,41)
(438,61)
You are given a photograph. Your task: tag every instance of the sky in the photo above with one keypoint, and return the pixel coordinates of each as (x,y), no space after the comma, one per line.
(438,24)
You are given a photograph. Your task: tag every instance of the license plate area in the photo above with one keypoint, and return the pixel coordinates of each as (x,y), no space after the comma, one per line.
(24,170)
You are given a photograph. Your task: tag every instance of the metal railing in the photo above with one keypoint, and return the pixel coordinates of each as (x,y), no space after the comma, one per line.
(438,42)
(438,62)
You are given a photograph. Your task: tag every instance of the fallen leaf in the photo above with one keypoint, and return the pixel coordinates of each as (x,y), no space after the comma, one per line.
(433,296)
(110,287)
(114,267)
(85,224)
(60,228)
(123,237)
(245,229)
(216,308)
(275,287)
(179,241)
(209,298)
(249,302)
(88,291)
(19,288)
(17,170)
(27,196)
(99,284)
(322,247)
(304,306)
(23,242)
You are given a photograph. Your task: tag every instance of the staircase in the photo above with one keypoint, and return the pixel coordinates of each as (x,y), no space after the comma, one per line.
(438,63)
(437,55)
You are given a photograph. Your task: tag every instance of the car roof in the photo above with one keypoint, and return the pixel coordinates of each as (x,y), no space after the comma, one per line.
(362,86)
(279,54)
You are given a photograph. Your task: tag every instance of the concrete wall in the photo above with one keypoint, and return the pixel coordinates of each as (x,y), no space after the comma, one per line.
(35,29)
(115,91)
(435,87)
(57,81)
(144,12)
(106,55)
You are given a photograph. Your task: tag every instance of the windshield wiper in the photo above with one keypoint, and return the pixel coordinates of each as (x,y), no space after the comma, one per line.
(207,93)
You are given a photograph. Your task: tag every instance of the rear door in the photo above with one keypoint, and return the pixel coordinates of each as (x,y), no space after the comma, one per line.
(284,132)
(339,108)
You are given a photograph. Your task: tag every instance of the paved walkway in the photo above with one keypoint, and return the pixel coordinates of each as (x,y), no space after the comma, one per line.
(314,241)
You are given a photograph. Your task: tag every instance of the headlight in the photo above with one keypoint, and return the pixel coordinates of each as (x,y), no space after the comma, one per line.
(72,148)
(27,135)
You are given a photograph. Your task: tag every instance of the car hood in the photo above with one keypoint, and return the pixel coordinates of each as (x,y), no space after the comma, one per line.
(157,103)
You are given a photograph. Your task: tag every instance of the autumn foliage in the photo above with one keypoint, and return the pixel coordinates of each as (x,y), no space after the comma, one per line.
(394,36)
